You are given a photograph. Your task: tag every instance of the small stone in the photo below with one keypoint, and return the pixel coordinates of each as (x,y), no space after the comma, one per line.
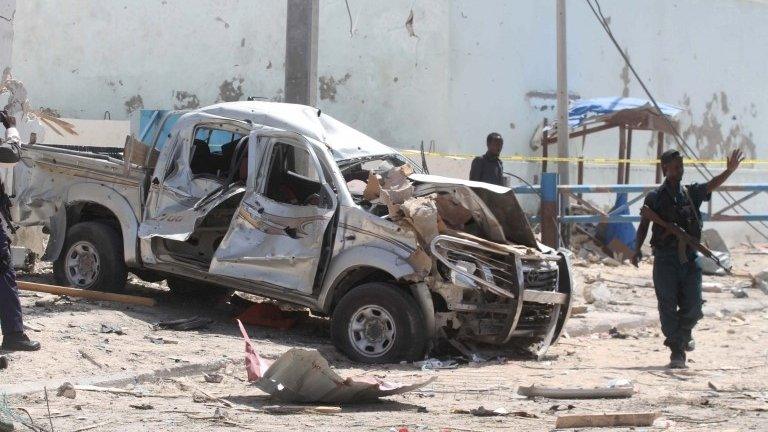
(67,390)
(598,293)
(213,378)
(610,262)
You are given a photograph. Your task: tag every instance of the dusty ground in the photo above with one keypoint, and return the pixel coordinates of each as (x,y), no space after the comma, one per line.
(724,388)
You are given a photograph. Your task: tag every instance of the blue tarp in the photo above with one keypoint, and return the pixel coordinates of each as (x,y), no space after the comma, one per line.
(625,231)
(584,109)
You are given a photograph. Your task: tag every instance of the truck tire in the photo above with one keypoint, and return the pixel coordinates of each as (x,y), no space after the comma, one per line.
(92,258)
(379,323)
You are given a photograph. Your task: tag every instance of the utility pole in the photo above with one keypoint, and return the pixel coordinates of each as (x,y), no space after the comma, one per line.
(562,94)
(301,32)
(563,166)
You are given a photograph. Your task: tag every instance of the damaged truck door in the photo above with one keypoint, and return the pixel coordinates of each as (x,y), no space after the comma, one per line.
(277,234)
(188,172)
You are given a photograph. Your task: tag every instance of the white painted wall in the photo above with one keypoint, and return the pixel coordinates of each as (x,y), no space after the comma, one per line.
(7,15)
(473,67)
(84,57)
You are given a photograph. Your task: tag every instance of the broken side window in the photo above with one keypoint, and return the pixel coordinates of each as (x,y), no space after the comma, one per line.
(212,151)
(293,176)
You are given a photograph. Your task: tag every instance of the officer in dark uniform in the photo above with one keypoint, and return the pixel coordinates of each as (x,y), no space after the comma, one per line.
(488,168)
(676,275)
(11,324)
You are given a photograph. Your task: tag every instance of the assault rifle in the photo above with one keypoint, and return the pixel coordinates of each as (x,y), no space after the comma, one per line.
(673,229)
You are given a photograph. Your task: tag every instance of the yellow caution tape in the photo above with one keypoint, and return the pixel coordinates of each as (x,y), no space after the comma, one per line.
(586,161)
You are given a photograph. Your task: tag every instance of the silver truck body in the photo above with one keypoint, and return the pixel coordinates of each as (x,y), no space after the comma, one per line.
(225,221)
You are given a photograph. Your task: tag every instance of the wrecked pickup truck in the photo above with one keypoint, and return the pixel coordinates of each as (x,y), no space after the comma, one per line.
(285,202)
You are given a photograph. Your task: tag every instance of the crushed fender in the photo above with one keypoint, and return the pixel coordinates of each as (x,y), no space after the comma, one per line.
(304,376)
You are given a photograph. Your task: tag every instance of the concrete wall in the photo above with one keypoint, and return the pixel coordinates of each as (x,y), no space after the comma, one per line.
(460,69)
(81,58)
(470,67)
(7,16)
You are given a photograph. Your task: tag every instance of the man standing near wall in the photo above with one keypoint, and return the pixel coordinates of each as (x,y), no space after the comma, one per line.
(488,168)
(14,338)
(676,275)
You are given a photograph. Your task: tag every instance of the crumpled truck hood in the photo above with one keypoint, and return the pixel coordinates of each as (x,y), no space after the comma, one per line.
(495,207)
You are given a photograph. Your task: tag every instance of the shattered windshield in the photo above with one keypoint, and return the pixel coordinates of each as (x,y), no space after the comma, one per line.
(360,169)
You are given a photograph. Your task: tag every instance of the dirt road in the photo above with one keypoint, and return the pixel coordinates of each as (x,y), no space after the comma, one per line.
(724,388)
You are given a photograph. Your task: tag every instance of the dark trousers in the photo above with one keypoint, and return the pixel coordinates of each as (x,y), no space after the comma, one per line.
(10,307)
(678,291)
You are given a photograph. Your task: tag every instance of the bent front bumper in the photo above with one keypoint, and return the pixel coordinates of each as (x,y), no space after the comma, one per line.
(494,292)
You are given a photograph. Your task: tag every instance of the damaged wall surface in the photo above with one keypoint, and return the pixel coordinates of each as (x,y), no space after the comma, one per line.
(83,58)
(403,72)
(434,70)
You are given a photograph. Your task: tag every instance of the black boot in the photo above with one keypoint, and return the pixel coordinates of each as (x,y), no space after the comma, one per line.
(19,342)
(690,346)
(677,359)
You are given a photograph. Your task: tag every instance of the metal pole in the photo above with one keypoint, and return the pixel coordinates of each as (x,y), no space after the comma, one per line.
(562,95)
(563,165)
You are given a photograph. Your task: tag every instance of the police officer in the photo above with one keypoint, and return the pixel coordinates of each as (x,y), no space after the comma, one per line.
(676,276)
(11,325)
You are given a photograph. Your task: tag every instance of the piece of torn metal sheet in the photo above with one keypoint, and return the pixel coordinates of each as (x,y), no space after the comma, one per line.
(304,376)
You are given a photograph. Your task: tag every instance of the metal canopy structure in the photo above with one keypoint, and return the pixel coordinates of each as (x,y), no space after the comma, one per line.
(590,116)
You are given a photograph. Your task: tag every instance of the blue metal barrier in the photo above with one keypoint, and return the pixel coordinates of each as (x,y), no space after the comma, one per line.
(552,194)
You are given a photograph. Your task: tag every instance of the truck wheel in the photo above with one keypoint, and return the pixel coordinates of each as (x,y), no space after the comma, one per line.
(92,258)
(379,323)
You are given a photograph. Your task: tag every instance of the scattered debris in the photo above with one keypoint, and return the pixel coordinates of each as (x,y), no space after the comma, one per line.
(67,390)
(304,376)
(213,378)
(577,393)
(616,334)
(597,294)
(434,364)
(610,262)
(558,407)
(619,382)
(498,412)
(710,267)
(760,280)
(606,420)
(185,324)
(144,406)
(739,292)
(300,409)
(90,358)
(92,295)
(3,362)
(579,310)
(109,328)
(161,340)
(32,327)
(712,287)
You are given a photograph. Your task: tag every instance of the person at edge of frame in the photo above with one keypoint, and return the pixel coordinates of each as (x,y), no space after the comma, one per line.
(11,324)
